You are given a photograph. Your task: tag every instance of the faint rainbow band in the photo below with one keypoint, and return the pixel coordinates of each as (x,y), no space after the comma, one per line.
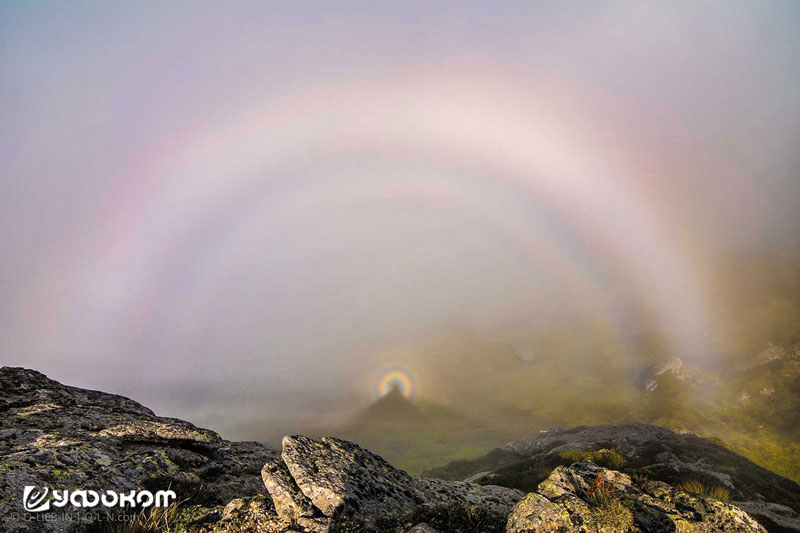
(202,177)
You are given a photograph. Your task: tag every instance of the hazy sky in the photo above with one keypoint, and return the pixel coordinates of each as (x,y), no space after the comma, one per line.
(204,203)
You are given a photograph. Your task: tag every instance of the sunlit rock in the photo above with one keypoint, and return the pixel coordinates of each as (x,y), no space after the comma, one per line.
(359,491)
(587,498)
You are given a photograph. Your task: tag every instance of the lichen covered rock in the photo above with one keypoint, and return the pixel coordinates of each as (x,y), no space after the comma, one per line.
(671,456)
(62,437)
(245,515)
(351,489)
(587,498)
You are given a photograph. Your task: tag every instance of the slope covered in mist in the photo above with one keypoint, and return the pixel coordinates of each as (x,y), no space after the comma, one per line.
(480,392)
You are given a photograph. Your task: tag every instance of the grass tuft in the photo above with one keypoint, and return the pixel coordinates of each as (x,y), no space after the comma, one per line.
(717,492)
(171,519)
(608,512)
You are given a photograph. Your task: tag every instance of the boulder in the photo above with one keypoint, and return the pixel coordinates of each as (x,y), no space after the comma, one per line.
(62,437)
(290,502)
(673,367)
(351,489)
(587,498)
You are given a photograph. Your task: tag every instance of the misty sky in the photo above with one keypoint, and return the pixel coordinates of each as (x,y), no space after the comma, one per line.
(239,210)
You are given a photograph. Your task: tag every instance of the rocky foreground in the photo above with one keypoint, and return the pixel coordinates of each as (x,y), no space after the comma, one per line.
(59,437)
(645,452)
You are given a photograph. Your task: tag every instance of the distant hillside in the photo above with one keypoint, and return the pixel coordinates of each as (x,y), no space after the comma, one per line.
(417,434)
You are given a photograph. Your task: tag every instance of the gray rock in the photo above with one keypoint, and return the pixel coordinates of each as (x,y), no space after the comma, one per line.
(245,515)
(588,498)
(673,366)
(341,478)
(537,513)
(777,517)
(290,502)
(61,437)
(356,490)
